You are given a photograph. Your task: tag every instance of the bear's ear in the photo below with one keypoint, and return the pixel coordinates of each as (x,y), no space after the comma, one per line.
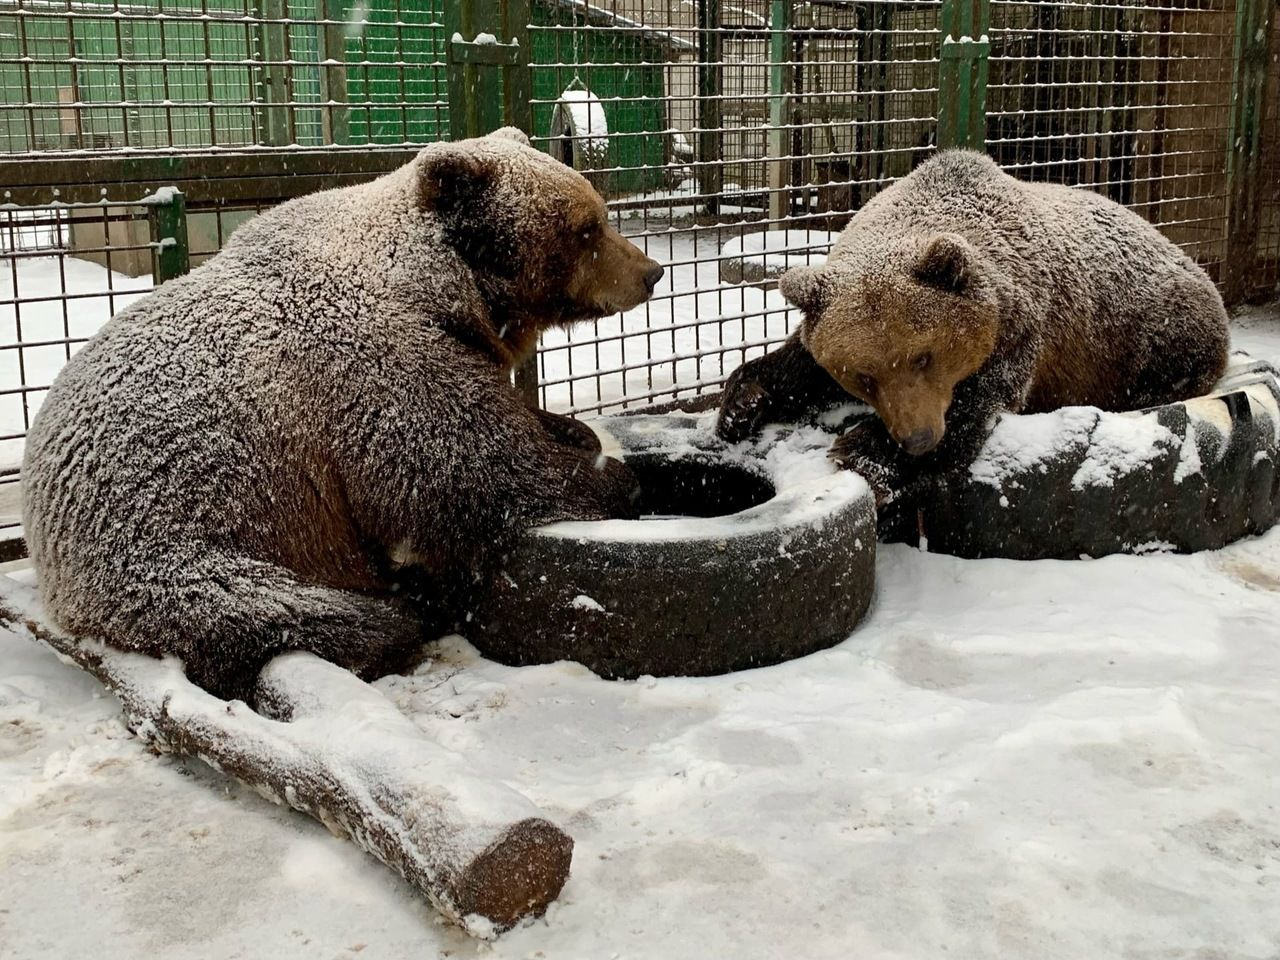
(449,176)
(946,263)
(511,133)
(809,288)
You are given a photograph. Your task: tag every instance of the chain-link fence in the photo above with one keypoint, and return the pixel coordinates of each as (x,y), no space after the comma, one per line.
(731,139)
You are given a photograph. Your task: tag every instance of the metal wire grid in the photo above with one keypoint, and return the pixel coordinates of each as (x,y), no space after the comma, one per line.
(1127,98)
(201,74)
(693,175)
(54,295)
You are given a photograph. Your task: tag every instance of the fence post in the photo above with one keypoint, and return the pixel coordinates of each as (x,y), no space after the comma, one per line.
(273,87)
(336,115)
(1244,153)
(962,73)
(167,216)
(710,172)
(490,84)
(781,83)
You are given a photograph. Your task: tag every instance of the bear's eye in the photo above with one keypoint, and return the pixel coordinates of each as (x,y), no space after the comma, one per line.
(866,383)
(922,362)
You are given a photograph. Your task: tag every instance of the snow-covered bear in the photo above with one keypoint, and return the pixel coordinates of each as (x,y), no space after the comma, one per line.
(960,292)
(248,460)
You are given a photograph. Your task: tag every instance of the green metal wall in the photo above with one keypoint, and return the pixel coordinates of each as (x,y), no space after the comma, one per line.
(137,80)
(625,72)
(123,104)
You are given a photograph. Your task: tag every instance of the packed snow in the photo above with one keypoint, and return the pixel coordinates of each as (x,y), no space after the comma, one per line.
(1051,760)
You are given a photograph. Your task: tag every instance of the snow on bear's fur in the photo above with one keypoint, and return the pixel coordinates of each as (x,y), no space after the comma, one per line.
(960,292)
(256,456)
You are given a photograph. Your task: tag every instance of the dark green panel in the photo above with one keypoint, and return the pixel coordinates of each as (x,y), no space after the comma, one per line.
(616,63)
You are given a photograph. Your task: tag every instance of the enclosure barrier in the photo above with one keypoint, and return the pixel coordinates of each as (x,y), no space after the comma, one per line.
(730,139)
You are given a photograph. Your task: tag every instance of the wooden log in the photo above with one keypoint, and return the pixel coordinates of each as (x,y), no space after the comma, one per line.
(335,748)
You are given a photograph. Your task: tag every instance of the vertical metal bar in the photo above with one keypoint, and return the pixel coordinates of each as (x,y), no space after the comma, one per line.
(517,78)
(963,72)
(335,116)
(167,107)
(517,91)
(167,216)
(122,56)
(710,170)
(882,24)
(457,23)
(77,117)
(209,89)
(484,96)
(488,93)
(24,51)
(1244,156)
(781,79)
(273,90)
(401,80)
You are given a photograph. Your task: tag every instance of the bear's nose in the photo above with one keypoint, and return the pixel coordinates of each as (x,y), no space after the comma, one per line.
(652,276)
(920,441)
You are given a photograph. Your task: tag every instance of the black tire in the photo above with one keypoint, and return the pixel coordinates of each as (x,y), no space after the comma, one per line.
(769,568)
(1167,501)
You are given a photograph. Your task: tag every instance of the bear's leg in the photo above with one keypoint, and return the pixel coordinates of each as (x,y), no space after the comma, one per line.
(780,386)
(579,485)
(1187,346)
(566,430)
(868,450)
(231,616)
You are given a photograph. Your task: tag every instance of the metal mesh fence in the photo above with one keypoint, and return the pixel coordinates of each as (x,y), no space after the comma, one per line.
(731,139)
(64,270)
(1128,99)
(202,74)
(730,142)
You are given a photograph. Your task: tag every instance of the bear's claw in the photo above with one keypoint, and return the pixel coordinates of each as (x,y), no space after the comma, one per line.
(743,410)
(868,453)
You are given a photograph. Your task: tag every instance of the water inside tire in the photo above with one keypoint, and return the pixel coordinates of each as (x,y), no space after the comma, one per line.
(696,486)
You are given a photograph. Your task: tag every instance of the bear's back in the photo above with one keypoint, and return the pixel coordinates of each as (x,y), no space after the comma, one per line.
(195,416)
(1061,243)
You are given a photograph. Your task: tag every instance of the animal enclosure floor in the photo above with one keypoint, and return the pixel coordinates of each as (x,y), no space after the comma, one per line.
(1041,760)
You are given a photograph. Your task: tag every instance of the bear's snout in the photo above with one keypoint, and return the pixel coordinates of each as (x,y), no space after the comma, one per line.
(920,441)
(623,275)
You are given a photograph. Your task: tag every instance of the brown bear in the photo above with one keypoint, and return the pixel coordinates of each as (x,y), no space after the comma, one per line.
(960,292)
(248,460)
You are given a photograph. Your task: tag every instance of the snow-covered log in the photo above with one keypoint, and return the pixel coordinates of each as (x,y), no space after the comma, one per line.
(335,748)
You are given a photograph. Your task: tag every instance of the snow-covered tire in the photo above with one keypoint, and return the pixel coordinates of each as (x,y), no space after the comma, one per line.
(780,564)
(1186,476)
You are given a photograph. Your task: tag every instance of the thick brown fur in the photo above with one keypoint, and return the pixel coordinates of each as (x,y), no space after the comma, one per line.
(251,459)
(961,292)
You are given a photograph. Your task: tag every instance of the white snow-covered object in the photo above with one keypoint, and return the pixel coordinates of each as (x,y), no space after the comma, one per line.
(331,746)
(766,255)
(1080,481)
(720,575)
(580,130)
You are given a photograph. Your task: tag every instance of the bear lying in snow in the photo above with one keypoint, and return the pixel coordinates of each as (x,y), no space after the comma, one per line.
(960,292)
(246,461)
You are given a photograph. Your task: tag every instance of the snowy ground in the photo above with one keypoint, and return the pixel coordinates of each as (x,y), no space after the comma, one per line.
(1042,760)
